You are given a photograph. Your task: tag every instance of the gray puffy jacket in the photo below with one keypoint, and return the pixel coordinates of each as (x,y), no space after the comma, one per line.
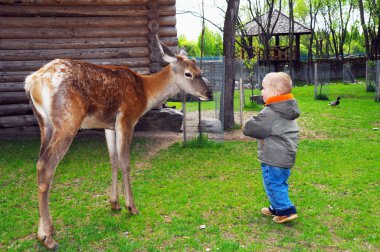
(277,133)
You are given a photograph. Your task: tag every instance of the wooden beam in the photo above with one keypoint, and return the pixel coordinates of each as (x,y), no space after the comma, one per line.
(101,53)
(15,109)
(36,64)
(80,43)
(16,121)
(21,132)
(64,22)
(81,11)
(298,44)
(53,33)
(167,32)
(75,43)
(13,98)
(65,33)
(83,2)
(277,40)
(72,11)
(12,87)
(76,22)
(6,77)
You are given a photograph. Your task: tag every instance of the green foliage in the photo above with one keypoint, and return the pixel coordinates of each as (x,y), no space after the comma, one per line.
(191,47)
(370,88)
(322,97)
(201,141)
(213,43)
(334,184)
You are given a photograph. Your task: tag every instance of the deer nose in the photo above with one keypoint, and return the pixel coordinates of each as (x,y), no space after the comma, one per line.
(209,95)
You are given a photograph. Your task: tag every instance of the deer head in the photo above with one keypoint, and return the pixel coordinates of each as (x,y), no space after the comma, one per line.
(187,75)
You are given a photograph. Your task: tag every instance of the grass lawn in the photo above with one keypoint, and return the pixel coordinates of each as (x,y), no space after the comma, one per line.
(335,185)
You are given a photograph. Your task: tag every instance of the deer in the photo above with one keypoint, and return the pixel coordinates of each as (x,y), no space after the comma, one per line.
(68,95)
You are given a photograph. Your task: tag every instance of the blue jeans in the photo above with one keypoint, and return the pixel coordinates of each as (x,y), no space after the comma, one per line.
(276,187)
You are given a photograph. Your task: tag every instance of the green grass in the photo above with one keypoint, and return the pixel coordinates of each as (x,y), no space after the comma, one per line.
(335,185)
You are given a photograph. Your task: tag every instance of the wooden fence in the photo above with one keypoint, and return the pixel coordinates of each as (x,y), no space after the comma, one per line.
(117,32)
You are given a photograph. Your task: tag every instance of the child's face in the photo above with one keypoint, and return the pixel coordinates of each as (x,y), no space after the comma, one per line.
(267,92)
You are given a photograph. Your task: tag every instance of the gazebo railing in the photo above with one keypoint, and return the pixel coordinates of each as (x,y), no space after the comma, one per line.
(276,53)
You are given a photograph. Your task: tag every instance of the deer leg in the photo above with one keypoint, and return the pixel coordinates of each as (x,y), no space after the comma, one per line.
(46,165)
(46,133)
(112,150)
(46,129)
(124,133)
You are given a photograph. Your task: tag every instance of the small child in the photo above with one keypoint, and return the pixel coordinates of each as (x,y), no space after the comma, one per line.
(277,133)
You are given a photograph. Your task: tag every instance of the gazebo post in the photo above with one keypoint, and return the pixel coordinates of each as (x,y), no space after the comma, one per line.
(277,46)
(298,55)
(277,40)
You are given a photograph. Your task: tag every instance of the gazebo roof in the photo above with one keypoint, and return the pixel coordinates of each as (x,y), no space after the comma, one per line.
(281,28)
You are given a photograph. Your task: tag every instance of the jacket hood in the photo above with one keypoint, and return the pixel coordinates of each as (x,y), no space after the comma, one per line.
(287,109)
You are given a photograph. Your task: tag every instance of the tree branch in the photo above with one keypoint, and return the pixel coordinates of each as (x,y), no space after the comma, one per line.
(198,15)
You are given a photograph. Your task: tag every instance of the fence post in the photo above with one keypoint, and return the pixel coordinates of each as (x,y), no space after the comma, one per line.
(241,99)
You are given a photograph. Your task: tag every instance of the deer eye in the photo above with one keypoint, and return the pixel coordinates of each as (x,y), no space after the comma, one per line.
(188,75)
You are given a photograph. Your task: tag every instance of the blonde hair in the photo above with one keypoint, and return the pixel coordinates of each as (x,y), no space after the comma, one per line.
(279,82)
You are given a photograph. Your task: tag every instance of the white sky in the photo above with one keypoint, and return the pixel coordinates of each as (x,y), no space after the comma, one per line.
(191,26)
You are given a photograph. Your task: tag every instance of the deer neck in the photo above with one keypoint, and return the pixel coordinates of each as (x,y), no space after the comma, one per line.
(159,87)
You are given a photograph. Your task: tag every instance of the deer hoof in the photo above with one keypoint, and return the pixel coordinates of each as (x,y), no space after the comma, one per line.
(133,210)
(115,205)
(48,242)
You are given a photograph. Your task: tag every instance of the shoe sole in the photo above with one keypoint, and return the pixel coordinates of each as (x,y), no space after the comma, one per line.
(295,216)
(267,214)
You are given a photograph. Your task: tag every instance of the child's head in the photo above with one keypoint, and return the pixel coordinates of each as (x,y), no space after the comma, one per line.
(276,84)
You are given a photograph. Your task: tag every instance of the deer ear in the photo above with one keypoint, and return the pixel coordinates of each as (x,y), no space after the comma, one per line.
(167,54)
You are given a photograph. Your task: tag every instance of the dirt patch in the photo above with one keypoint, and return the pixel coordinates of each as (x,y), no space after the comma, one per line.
(159,140)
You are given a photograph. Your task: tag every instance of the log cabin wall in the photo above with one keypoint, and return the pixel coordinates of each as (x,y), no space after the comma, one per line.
(110,32)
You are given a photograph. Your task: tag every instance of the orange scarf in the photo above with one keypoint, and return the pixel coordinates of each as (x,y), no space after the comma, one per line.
(279,98)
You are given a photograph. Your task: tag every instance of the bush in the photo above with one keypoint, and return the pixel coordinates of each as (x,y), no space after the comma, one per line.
(322,97)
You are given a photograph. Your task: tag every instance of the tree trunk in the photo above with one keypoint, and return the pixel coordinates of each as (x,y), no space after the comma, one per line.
(229,54)
(291,34)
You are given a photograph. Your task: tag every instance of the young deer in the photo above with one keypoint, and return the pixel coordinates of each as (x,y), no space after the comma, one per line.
(67,95)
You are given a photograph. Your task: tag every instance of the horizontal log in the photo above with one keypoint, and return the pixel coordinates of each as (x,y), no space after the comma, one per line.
(78,11)
(167,10)
(17,121)
(53,33)
(77,43)
(19,44)
(36,64)
(13,98)
(12,87)
(15,109)
(23,132)
(130,62)
(101,53)
(84,2)
(13,77)
(167,32)
(167,21)
(90,22)
(20,77)
(170,41)
(64,22)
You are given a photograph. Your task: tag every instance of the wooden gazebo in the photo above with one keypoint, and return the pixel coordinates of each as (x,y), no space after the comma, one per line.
(281,28)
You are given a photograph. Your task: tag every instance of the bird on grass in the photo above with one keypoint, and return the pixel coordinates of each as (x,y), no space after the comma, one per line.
(335,103)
